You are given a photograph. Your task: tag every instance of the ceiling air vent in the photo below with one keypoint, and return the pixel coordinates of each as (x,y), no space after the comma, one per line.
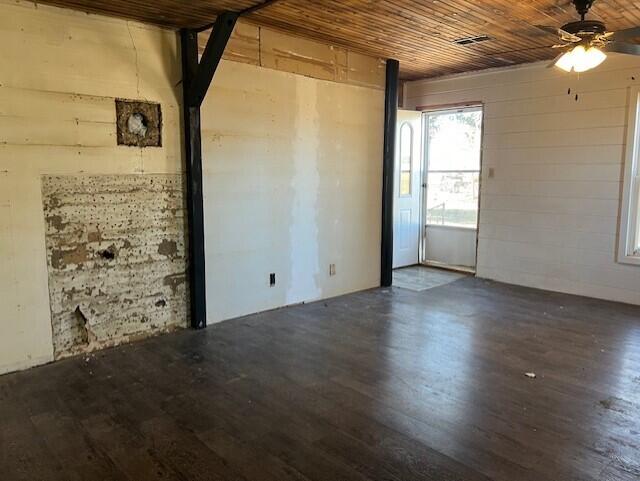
(470,40)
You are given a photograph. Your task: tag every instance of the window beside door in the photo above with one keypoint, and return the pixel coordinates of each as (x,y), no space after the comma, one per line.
(453,167)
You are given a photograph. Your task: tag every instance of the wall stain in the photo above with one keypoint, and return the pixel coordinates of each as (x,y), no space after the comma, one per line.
(174,281)
(168,248)
(56,222)
(94,236)
(74,256)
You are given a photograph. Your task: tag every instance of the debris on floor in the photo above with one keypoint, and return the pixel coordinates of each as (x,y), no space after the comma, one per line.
(613,403)
(530,375)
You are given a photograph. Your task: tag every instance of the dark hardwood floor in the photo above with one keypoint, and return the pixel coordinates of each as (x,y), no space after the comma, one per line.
(388,384)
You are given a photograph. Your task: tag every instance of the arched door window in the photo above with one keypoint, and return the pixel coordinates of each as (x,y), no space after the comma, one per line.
(406,158)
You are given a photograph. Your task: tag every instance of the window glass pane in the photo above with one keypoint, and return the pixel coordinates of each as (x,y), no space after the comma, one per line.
(405,183)
(454,141)
(406,158)
(452,199)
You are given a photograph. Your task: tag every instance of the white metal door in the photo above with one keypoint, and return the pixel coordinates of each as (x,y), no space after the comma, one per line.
(407,181)
(452,178)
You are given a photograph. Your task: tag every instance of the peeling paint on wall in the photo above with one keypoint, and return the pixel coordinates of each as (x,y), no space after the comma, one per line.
(116,258)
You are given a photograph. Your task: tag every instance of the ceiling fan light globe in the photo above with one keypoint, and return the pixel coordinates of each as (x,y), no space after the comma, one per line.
(596,57)
(579,58)
(587,59)
(566,61)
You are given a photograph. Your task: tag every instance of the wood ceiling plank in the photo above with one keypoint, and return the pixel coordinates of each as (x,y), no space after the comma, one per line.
(419,33)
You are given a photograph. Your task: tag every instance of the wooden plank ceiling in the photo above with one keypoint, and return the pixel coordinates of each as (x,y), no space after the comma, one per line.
(419,33)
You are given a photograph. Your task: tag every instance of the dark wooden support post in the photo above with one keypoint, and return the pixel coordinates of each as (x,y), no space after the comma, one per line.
(196,79)
(390,116)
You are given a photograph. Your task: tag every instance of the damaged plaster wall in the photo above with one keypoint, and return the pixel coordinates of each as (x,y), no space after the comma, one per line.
(58,85)
(116,256)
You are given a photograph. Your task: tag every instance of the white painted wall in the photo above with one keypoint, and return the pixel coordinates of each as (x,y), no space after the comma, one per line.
(293,169)
(61,71)
(549,216)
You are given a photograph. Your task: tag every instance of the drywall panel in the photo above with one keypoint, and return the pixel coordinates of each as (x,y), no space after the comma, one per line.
(276,50)
(553,143)
(366,71)
(292,184)
(63,123)
(243,46)
(302,56)
(116,258)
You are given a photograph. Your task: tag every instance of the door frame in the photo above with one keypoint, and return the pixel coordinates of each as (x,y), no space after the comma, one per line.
(438,109)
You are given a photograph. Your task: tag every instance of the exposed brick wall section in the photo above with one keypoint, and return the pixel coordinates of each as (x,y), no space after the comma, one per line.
(116,258)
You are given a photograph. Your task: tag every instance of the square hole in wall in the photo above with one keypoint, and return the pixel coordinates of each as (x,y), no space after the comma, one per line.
(139,123)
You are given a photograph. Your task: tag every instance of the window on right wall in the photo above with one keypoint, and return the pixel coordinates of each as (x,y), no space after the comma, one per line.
(629,248)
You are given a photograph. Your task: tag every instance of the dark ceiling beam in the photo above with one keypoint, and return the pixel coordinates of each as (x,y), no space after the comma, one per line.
(222,30)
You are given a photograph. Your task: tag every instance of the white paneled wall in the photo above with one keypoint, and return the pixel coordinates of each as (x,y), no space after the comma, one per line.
(555,143)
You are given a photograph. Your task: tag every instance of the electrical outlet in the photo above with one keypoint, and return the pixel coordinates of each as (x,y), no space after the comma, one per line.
(332,269)
(272,279)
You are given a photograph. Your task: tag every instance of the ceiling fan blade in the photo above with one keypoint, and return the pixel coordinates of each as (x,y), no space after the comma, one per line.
(548,28)
(566,36)
(622,47)
(624,34)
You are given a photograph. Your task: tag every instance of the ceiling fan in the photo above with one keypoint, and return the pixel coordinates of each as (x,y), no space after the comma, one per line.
(585,42)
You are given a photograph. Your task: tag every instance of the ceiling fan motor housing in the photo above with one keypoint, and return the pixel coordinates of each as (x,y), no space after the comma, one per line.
(589,27)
